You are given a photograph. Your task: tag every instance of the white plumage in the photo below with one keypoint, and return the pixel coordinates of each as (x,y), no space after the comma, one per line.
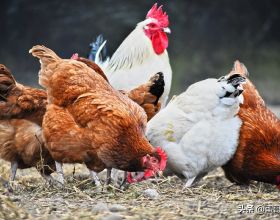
(199,129)
(135,62)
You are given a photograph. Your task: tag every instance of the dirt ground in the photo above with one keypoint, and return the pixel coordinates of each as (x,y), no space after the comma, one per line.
(213,198)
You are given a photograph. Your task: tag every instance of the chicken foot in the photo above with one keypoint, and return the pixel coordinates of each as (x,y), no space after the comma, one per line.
(60,173)
(48,178)
(124,184)
(95,178)
(119,178)
(6,184)
(108,178)
(189,182)
(14,167)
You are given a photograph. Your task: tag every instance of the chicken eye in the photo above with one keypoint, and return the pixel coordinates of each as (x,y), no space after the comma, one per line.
(154,160)
(152,25)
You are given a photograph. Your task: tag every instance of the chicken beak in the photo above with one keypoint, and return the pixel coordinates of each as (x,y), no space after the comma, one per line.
(167,30)
(160,173)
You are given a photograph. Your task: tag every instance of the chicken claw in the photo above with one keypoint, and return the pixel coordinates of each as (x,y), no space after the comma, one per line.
(124,184)
(108,178)
(59,171)
(95,178)
(48,178)
(6,185)
(189,182)
(14,166)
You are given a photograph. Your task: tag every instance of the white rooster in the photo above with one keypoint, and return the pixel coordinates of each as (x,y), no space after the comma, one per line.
(142,54)
(199,129)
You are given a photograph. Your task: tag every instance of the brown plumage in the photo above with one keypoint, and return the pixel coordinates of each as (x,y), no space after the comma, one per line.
(87,121)
(258,154)
(22,109)
(21,113)
(93,66)
(146,95)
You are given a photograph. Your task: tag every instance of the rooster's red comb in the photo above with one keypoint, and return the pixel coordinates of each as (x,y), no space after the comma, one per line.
(157,13)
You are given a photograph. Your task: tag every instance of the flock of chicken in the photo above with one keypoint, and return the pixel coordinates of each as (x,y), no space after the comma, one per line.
(113,114)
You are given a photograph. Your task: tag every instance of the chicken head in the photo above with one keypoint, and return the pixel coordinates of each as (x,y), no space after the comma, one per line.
(153,164)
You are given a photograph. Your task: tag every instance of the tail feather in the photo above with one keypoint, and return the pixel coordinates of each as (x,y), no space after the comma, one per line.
(47,57)
(232,83)
(232,88)
(239,68)
(157,87)
(235,80)
(45,54)
(98,50)
(7,81)
(148,95)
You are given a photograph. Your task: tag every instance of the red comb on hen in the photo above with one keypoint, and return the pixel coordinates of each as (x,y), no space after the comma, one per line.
(149,173)
(75,56)
(157,13)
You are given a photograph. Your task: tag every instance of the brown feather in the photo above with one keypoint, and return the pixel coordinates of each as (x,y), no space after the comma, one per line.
(93,66)
(142,95)
(21,115)
(258,154)
(88,121)
(145,96)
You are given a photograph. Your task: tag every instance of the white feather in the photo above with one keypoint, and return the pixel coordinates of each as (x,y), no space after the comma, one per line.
(198,129)
(97,56)
(135,62)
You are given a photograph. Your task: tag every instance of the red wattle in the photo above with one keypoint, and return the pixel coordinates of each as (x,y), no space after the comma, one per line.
(159,41)
(147,174)
(129,178)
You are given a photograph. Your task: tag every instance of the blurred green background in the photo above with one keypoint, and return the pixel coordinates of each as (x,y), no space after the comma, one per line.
(207,36)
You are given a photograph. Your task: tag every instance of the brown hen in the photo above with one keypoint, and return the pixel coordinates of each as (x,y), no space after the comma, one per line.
(22,109)
(87,121)
(21,113)
(258,154)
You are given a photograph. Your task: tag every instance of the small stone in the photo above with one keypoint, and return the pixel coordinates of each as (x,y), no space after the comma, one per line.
(117,208)
(100,207)
(133,203)
(151,193)
(112,217)
(14,199)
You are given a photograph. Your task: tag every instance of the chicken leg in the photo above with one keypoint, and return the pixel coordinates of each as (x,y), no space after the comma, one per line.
(6,184)
(95,178)
(48,178)
(189,182)
(14,167)
(60,173)
(108,179)
(124,184)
